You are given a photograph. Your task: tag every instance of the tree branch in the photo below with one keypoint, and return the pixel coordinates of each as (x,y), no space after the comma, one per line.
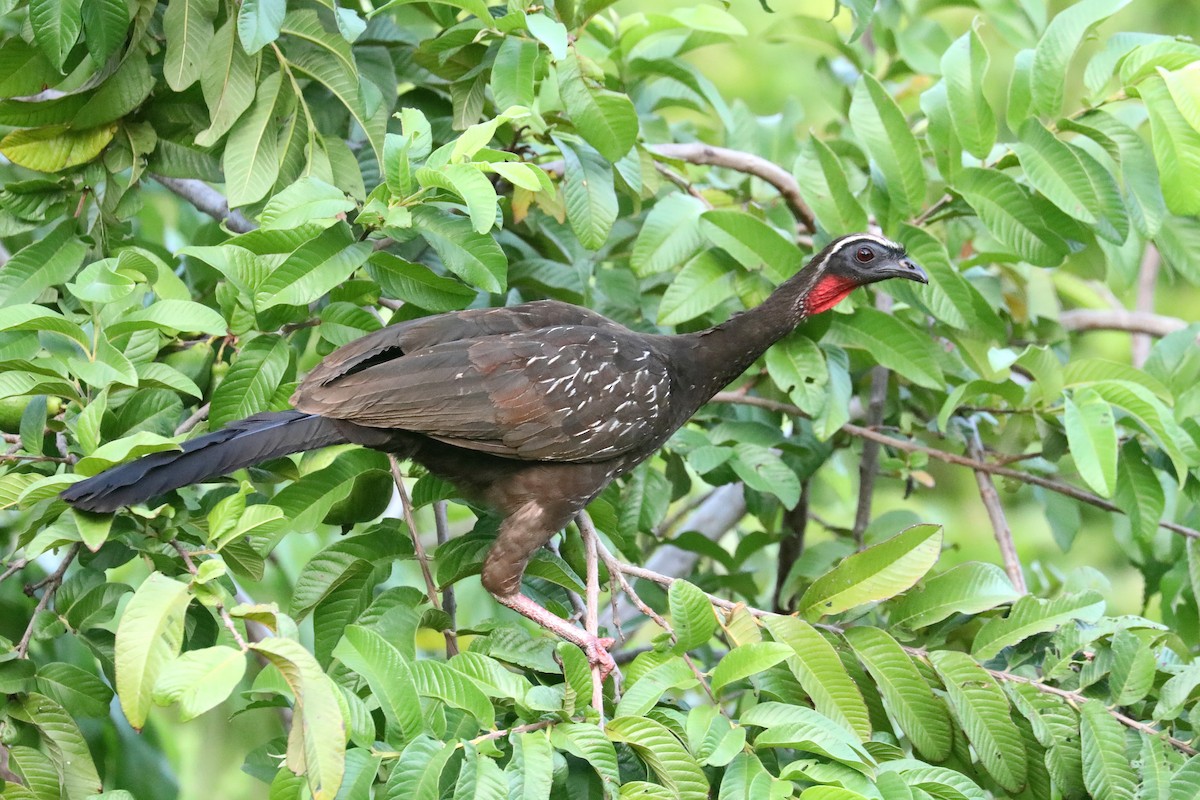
(868,465)
(591,616)
(995,511)
(739,161)
(226,619)
(1136,322)
(207,200)
(1066,489)
(1147,281)
(50,584)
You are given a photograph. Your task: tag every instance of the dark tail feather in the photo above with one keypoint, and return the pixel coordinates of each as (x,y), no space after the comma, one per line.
(240,444)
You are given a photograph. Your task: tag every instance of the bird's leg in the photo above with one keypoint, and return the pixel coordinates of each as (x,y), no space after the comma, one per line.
(591,620)
(521,534)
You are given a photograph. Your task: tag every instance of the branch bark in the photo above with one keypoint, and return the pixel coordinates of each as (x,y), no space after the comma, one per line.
(1136,322)
(207,200)
(739,161)
(868,465)
(995,511)
(1066,489)
(1147,281)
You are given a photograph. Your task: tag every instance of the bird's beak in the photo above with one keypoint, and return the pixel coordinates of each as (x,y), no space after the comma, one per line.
(907,268)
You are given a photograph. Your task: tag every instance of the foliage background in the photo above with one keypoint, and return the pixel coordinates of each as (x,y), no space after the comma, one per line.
(127,314)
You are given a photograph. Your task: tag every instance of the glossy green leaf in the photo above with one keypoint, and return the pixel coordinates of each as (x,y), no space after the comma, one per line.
(513,72)
(251,381)
(387,672)
(258,23)
(674,767)
(703,283)
(474,257)
(1106,770)
(1176,147)
(669,237)
(315,268)
(589,193)
(877,573)
(251,156)
(966,589)
(982,710)
(825,187)
(200,679)
(1032,615)
(746,660)
(692,616)
(63,742)
(1057,46)
(1006,209)
(188,25)
(55,147)
(820,672)
(964,69)
(884,131)
(1092,437)
(56,25)
(606,120)
(148,639)
(755,244)
(895,345)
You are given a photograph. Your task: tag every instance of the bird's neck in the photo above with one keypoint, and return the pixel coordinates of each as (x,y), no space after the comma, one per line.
(727,350)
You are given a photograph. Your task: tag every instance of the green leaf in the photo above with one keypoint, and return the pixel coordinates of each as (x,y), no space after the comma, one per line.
(533,769)
(49,260)
(764,471)
(1133,669)
(589,743)
(746,660)
(704,283)
(588,192)
(513,72)
(825,188)
(435,679)
(1058,44)
(983,712)
(911,703)
(674,767)
(62,741)
(31,317)
(692,616)
(880,124)
(105,23)
(801,728)
(148,639)
(227,83)
(418,772)
(317,740)
(474,257)
(1106,770)
(892,343)
(797,366)
(55,148)
(252,380)
(966,589)
(172,316)
(315,268)
(549,32)
(417,284)
(1138,492)
(819,670)
(307,200)
(1092,438)
(1073,180)
(754,243)
(1141,404)
(1032,615)
(1176,147)
(877,573)
(56,25)
(1010,215)
(200,679)
(258,23)
(188,25)
(77,689)
(669,236)
(469,183)
(387,672)
(606,120)
(251,157)
(964,69)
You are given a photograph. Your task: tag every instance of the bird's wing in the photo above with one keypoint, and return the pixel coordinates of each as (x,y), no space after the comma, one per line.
(566,393)
(395,341)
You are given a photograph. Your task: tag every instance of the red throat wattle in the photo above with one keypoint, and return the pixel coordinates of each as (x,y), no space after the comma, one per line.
(828,292)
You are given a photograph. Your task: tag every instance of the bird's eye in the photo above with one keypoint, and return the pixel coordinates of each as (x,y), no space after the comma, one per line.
(865,255)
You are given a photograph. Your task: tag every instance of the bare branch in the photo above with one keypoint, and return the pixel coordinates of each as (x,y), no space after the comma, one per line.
(868,465)
(419,549)
(739,161)
(226,619)
(198,416)
(50,583)
(442,527)
(1147,281)
(1066,489)
(208,200)
(995,511)
(1137,322)
(591,616)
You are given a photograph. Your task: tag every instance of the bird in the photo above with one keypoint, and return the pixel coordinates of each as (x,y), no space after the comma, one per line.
(530,409)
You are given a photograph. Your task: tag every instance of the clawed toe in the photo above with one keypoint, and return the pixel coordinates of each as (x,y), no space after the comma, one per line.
(598,656)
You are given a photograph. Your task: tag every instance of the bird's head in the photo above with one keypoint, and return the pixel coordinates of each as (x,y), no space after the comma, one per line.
(856,260)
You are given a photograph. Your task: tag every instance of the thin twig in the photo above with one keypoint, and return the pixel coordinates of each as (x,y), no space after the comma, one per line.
(500,734)
(995,512)
(1065,489)
(198,416)
(682,182)
(868,465)
(1144,302)
(13,568)
(740,161)
(419,549)
(51,583)
(33,459)
(791,547)
(226,619)
(449,601)
(591,616)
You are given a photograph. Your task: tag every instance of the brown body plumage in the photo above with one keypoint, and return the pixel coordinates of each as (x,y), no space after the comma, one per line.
(531,410)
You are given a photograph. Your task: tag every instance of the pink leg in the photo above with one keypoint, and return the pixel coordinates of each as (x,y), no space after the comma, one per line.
(594,647)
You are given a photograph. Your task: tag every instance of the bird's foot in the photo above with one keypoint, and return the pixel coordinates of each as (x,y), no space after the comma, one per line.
(596,650)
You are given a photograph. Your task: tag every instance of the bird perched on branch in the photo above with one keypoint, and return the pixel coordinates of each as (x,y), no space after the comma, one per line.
(531,410)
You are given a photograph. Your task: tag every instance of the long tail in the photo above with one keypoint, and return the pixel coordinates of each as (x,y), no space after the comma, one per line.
(240,444)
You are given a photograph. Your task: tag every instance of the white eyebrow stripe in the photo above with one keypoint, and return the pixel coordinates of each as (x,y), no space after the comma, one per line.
(858,238)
